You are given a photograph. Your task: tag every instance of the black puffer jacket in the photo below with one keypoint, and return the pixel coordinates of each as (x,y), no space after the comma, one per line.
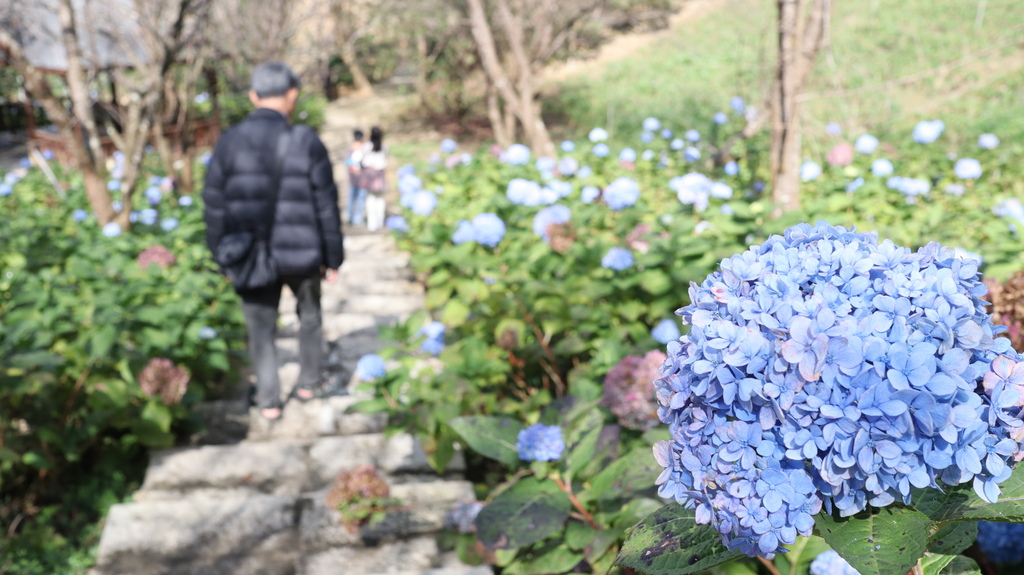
(307,228)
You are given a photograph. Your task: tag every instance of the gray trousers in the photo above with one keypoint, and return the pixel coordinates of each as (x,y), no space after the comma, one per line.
(260,310)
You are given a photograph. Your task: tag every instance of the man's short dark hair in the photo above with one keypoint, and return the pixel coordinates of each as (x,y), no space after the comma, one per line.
(271,79)
(358,135)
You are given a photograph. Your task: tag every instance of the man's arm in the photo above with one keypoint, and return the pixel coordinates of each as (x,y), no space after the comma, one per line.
(325,199)
(213,196)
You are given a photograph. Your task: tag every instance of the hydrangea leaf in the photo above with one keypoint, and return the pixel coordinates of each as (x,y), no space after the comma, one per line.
(634,472)
(655,282)
(961,503)
(493,437)
(530,511)
(800,555)
(946,544)
(671,542)
(551,558)
(961,566)
(889,540)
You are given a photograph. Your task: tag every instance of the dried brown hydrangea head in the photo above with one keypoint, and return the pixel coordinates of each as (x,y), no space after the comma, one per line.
(629,390)
(1008,306)
(562,237)
(158,255)
(161,377)
(359,484)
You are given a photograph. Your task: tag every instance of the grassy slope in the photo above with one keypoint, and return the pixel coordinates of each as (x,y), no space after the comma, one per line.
(729,51)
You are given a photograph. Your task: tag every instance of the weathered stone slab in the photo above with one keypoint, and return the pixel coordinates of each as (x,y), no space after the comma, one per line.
(139,537)
(268,467)
(398,557)
(330,455)
(403,453)
(372,303)
(315,418)
(226,421)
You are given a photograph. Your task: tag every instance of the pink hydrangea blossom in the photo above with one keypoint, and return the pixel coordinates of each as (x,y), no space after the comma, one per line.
(629,390)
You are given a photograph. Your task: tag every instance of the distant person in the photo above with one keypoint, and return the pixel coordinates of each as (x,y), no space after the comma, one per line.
(373,161)
(356,194)
(304,234)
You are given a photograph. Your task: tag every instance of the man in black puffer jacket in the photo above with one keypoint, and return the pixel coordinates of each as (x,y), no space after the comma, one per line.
(305,240)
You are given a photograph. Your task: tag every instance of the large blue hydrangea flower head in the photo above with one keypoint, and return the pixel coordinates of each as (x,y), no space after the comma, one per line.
(621,193)
(927,131)
(1001,542)
(881,168)
(568,146)
(731,168)
(517,155)
(692,189)
(967,169)
(866,144)
(153,195)
(79,215)
(691,154)
(488,229)
(677,144)
(112,230)
(720,118)
(617,259)
(988,141)
(627,155)
(169,224)
(567,166)
(148,217)
(463,232)
(448,145)
(737,104)
(423,202)
(6,189)
(207,332)
(597,135)
(540,442)
(523,192)
(434,342)
(826,368)
(692,136)
(810,171)
(589,193)
(544,164)
(830,563)
(396,224)
(652,124)
(370,366)
(667,330)
(600,150)
(556,214)
(409,184)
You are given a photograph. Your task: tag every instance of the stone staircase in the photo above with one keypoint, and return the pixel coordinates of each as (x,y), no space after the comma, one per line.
(252,498)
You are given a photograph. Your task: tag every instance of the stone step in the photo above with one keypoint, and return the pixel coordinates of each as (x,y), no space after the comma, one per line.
(226,421)
(152,536)
(315,418)
(400,454)
(422,509)
(391,304)
(416,555)
(357,244)
(371,270)
(277,468)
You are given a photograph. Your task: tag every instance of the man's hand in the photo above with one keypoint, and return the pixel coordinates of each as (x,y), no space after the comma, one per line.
(330,275)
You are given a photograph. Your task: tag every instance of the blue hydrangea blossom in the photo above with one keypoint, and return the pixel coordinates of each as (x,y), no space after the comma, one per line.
(568,146)
(463,232)
(824,368)
(556,214)
(112,230)
(692,136)
(927,131)
(517,155)
(720,118)
(967,169)
(830,563)
(169,224)
(540,442)
(207,332)
(600,150)
(434,342)
(652,125)
(396,223)
(666,331)
(881,168)
(448,145)
(79,215)
(810,171)
(731,168)
(370,367)
(627,155)
(621,193)
(617,259)
(866,144)
(589,193)
(988,141)
(597,135)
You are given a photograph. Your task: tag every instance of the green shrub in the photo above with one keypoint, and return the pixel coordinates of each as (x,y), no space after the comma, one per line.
(81,319)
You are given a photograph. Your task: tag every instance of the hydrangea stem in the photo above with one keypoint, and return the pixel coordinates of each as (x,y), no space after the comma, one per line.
(769,565)
(584,514)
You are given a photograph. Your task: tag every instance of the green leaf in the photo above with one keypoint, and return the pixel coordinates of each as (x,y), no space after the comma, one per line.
(800,555)
(455,313)
(493,437)
(962,566)
(946,544)
(549,559)
(961,503)
(530,511)
(655,282)
(9,455)
(627,475)
(103,340)
(888,541)
(578,535)
(670,542)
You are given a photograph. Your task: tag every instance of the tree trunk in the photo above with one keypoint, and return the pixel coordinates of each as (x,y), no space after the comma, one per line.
(501,135)
(362,83)
(797,52)
(533,124)
(78,87)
